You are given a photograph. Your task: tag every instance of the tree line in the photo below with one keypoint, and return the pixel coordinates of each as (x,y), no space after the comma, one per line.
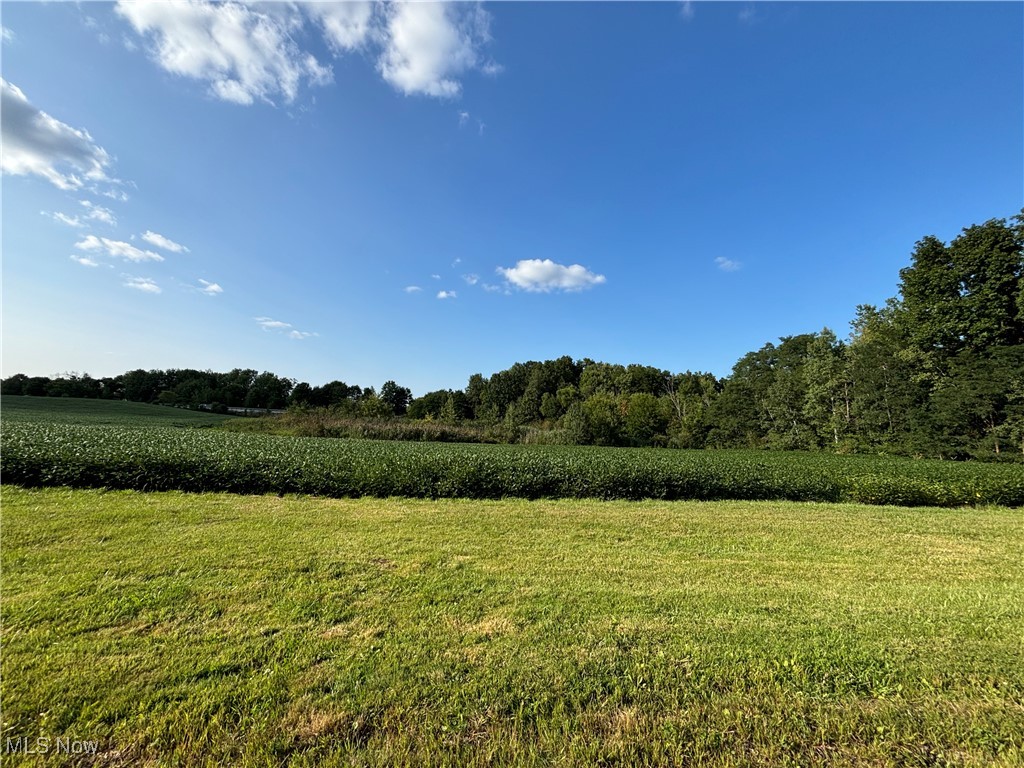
(937,371)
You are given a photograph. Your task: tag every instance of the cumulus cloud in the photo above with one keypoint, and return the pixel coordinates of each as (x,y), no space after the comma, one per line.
(412,289)
(35,143)
(210,289)
(544,276)
(84,261)
(727,265)
(162,242)
(116,248)
(471,279)
(244,53)
(346,26)
(430,44)
(98,213)
(144,284)
(446,294)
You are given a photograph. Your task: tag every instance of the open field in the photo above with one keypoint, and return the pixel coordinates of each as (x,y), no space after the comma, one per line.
(195,629)
(68,410)
(159,458)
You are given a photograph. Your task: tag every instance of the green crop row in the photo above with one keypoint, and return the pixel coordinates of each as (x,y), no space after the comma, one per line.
(209,460)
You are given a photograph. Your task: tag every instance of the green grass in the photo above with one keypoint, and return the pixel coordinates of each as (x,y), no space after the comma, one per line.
(181,629)
(68,410)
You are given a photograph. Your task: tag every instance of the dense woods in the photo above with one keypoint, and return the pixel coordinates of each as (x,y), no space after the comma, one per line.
(938,371)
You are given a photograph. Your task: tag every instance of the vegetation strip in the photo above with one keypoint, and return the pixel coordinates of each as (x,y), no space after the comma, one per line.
(159,458)
(179,629)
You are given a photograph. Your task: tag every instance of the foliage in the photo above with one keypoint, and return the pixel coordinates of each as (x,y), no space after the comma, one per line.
(39,454)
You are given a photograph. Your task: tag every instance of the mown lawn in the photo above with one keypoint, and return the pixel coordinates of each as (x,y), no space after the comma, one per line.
(216,629)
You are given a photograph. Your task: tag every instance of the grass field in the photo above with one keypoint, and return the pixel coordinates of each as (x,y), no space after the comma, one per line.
(215,629)
(68,410)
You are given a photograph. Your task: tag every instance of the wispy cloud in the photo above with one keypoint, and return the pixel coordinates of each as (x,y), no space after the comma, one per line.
(269,324)
(412,289)
(116,248)
(84,261)
(6,34)
(446,295)
(98,213)
(747,15)
(471,279)
(544,276)
(727,265)
(144,284)
(463,118)
(687,11)
(277,326)
(210,289)
(34,143)
(162,242)
(436,277)
(63,218)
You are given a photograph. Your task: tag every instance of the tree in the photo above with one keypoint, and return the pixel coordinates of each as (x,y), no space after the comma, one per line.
(398,398)
(827,404)
(966,295)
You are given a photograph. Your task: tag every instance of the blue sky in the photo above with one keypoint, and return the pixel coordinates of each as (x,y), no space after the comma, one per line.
(422,192)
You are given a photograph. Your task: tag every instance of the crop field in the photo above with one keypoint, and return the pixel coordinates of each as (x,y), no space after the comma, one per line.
(164,458)
(188,629)
(67,410)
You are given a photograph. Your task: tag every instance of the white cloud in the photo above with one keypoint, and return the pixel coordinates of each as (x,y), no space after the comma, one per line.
(747,15)
(463,118)
(116,248)
(688,11)
(63,218)
(412,289)
(99,213)
(6,34)
(436,277)
(269,324)
(248,52)
(210,289)
(245,53)
(162,242)
(471,279)
(430,44)
(727,265)
(446,295)
(84,261)
(347,26)
(491,288)
(544,275)
(35,143)
(144,284)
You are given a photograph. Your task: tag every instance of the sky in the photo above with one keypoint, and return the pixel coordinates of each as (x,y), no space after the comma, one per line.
(420,192)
